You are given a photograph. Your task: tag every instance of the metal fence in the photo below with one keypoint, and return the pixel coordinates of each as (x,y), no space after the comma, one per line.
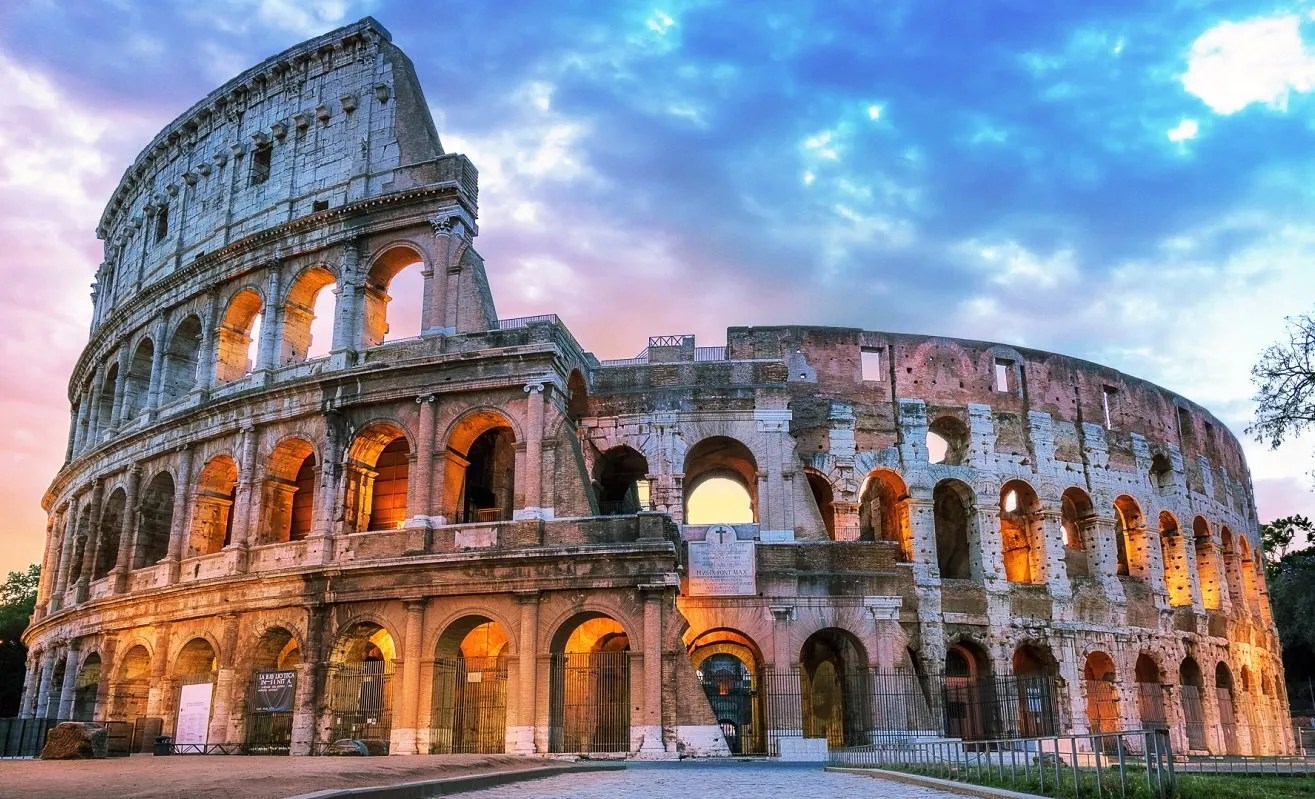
(361,702)
(1119,764)
(590,702)
(469,714)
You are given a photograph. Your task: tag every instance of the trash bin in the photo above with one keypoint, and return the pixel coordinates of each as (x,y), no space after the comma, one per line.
(164,745)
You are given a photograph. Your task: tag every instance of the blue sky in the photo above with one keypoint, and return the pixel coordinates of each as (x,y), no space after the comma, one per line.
(1126,182)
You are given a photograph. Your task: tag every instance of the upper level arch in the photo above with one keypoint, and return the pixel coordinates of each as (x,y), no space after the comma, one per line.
(236,335)
(733,466)
(398,262)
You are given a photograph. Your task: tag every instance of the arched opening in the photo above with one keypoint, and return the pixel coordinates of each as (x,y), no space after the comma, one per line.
(289,492)
(469,710)
(489,489)
(727,665)
(212,507)
(589,701)
(1130,538)
(308,316)
(272,692)
(1232,566)
(1250,700)
(361,685)
(155,523)
(621,481)
(1036,691)
(129,692)
(397,273)
(1161,475)
(1250,584)
(1190,688)
(883,511)
(195,669)
(105,408)
(377,475)
(86,690)
(1078,517)
(1207,564)
(1177,576)
(823,497)
(1150,694)
(237,346)
(181,359)
(1227,713)
(108,533)
(1022,535)
(1102,699)
(577,397)
(947,441)
(137,383)
(970,694)
(836,688)
(953,508)
(721,483)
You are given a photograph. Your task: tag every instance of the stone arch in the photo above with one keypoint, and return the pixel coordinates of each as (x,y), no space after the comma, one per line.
(1150,692)
(1191,689)
(377,477)
(621,481)
(468,711)
(130,683)
(305,302)
(720,457)
(86,688)
(1103,714)
(1232,564)
(970,691)
(155,522)
(1250,582)
(182,358)
(883,511)
(948,440)
(80,544)
(1022,533)
(288,491)
(589,687)
(824,497)
(137,382)
(480,479)
(105,409)
(360,690)
(1078,516)
(1161,473)
(392,260)
(954,510)
(1207,564)
(212,506)
(727,663)
(267,716)
(1130,538)
(1037,693)
(577,396)
(238,328)
(834,676)
(1177,575)
(112,517)
(1226,706)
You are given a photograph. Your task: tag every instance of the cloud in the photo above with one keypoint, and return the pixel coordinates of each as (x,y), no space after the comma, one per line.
(1183,131)
(1236,64)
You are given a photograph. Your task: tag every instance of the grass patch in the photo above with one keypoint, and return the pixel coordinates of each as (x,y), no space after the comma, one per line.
(1269,786)
(1188,786)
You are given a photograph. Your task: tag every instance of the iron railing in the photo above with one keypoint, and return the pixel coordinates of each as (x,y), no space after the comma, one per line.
(361,702)
(1119,764)
(469,714)
(526,321)
(590,702)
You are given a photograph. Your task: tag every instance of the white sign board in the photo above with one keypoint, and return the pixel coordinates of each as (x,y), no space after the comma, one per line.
(193,714)
(722,565)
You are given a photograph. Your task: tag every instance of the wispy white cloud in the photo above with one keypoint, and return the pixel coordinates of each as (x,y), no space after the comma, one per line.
(1235,64)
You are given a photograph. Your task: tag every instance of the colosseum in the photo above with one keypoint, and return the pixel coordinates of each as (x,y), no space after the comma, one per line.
(274,533)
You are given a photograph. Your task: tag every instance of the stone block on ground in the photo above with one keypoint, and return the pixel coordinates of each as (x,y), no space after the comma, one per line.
(76,740)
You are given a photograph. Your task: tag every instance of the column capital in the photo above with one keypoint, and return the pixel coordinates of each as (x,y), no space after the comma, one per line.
(528,597)
(426,398)
(783,614)
(415,605)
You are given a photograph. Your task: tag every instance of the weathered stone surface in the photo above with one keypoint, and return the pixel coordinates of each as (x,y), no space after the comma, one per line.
(75,740)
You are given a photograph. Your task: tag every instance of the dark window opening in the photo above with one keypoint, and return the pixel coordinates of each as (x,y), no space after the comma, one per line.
(319,205)
(260,161)
(162,224)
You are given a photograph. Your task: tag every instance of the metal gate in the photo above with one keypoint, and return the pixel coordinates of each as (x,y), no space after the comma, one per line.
(1103,712)
(1227,720)
(733,697)
(269,733)
(469,714)
(1150,704)
(590,702)
(1193,717)
(361,701)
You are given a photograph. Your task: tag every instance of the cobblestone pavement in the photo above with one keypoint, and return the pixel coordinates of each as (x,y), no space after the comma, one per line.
(722,781)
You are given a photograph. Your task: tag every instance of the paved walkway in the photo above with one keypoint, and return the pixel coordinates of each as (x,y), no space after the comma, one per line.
(720,780)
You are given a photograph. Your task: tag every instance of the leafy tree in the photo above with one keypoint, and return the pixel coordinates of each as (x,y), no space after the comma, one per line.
(1285,385)
(1293,602)
(18,598)
(1277,536)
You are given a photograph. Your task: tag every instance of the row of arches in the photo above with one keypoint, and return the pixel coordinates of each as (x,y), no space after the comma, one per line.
(256,327)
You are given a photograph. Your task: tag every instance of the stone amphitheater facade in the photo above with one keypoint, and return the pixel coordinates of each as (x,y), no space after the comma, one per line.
(475,539)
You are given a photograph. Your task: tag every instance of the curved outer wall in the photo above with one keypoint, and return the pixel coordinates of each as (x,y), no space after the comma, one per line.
(362,512)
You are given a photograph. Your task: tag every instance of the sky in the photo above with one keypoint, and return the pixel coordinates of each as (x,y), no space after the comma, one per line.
(1127,182)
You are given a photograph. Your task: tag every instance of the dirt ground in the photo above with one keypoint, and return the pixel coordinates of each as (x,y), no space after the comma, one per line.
(234,777)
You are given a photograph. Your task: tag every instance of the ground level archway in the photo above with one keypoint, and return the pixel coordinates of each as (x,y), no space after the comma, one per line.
(589,701)
(468,714)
